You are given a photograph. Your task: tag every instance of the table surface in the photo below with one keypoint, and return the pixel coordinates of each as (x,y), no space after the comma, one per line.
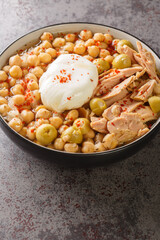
(39,200)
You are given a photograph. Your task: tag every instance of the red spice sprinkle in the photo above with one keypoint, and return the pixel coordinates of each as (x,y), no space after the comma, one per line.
(32,130)
(91,80)
(113,124)
(69,98)
(116,86)
(117,71)
(85,30)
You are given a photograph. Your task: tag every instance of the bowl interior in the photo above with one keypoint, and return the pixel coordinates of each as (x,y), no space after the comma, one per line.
(32,37)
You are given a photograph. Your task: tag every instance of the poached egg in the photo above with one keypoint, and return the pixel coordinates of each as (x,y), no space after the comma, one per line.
(68,83)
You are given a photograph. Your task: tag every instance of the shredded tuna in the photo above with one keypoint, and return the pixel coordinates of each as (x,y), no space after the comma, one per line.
(144,92)
(124,105)
(145,113)
(99,124)
(125,127)
(113,77)
(128,51)
(146,60)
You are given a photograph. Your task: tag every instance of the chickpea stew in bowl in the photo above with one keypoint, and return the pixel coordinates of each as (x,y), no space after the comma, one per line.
(80,92)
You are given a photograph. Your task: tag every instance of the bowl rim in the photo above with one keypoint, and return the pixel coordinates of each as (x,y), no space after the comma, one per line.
(107,152)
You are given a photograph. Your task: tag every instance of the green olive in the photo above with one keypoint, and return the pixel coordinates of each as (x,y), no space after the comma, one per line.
(72,135)
(154,103)
(101,65)
(83,124)
(97,105)
(124,42)
(46,133)
(121,61)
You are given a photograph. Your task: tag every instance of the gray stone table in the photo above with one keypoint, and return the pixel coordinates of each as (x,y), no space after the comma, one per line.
(40,201)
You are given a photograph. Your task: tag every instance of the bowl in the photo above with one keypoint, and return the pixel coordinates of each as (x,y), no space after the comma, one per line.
(75,159)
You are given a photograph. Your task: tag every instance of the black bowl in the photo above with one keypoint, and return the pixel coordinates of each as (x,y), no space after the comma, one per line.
(75,159)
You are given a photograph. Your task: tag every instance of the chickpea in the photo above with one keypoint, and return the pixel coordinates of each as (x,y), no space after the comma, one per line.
(104,53)
(85,34)
(99,147)
(15,72)
(89,42)
(37,71)
(16,124)
(24,71)
(47,36)
(32,60)
(109,141)
(3,100)
(39,107)
(70,37)
(71,147)
(89,140)
(69,47)
(109,58)
(17,89)
(4,92)
(31,124)
(32,85)
(62,52)
(52,52)
(23,131)
(12,114)
(15,60)
(88,57)
(99,37)
(87,147)
(56,121)
(45,44)
(31,76)
(6,68)
(36,95)
(31,133)
(89,134)
(18,99)
(72,115)
(37,50)
(62,128)
(43,113)
(44,57)
(27,116)
(108,38)
(12,82)
(93,51)
(79,41)
(4,108)
(79,49)
(40,121)
(4,85)
(58,144)
(99,137)
(58,42)
(24,58)
(3,75)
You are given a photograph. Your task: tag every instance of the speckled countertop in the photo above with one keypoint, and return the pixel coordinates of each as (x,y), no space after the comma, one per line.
(40,201)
